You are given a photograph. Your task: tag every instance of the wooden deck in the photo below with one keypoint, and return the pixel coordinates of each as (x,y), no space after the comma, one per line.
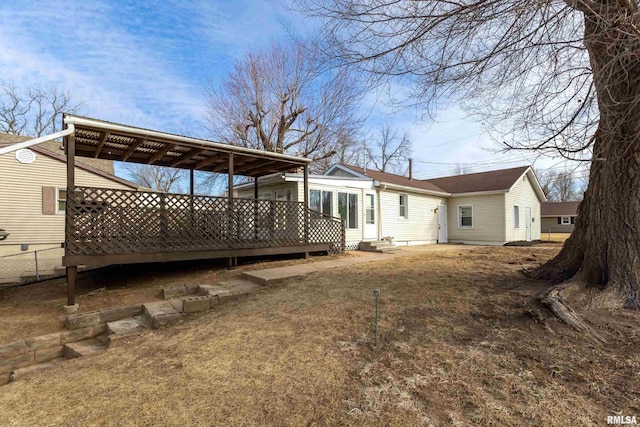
(107,226)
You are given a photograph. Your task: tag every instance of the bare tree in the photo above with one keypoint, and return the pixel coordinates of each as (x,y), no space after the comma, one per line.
(156,177)
(389,150)
(462,169)
(277,100)
(559,186)
(560,76)
(33,111)
(565,186)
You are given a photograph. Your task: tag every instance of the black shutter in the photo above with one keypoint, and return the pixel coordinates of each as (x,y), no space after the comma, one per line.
(573,220)
(559,220)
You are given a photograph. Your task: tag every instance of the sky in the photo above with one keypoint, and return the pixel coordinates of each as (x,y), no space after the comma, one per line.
(147,63)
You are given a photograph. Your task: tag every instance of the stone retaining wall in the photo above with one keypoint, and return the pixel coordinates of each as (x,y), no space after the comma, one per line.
(43,348)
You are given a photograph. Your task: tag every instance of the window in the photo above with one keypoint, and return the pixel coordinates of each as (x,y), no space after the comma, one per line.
(321,201)
(61,200)
(370,215)
(465,216)
(265,196)
(404,208)
(566,220)
(348,209)
(283,195)
(516,217)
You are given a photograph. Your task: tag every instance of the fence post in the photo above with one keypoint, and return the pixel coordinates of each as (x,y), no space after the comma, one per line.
(35,254)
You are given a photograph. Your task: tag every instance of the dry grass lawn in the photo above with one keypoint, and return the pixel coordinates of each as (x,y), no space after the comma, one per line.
(458,346)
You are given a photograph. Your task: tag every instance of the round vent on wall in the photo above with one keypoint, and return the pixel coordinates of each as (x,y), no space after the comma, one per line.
(24,155)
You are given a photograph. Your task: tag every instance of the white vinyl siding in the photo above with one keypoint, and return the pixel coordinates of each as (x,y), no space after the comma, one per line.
(421,225)
(488,219)
(524,196)
(22,198)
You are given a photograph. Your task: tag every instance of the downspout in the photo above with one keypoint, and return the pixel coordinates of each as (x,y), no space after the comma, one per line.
(66,132)
(377,186)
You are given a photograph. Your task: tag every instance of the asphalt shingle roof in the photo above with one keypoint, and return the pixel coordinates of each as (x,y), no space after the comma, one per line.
(397,179)
(559,208)
(499,180)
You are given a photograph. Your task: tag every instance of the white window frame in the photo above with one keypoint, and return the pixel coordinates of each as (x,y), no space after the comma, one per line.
(405,206)
(370,209)
(58,200)
(348,210)
(465,227)
(562,220)
(516,217)
(322,194)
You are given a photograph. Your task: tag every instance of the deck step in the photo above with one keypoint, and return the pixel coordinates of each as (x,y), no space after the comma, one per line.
(83,348)
(159,313)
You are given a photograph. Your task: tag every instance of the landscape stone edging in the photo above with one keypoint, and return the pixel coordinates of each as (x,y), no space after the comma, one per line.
(101,317)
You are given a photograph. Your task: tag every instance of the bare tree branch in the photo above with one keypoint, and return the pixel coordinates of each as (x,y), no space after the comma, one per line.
(34,110)
(277,100)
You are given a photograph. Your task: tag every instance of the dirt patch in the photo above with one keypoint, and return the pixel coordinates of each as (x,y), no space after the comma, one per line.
(458,346)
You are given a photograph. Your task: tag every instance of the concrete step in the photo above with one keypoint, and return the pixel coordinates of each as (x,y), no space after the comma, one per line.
(277,274)
(160,313)
(83,348)
(377,246)
(123,328)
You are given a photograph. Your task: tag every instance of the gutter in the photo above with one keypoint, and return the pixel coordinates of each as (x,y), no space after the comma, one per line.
(26,144)
(179,140)
(408,189)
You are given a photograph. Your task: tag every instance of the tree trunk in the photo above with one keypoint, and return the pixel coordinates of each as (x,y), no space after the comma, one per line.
(604,249)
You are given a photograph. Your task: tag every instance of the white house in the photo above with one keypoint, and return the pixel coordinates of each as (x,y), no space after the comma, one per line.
(489,208)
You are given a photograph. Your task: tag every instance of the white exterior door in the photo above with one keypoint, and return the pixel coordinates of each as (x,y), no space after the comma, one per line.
(442,224)
(527,222)
(370,226)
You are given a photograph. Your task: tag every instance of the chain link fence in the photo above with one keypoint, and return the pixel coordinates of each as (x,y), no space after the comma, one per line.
(31,266)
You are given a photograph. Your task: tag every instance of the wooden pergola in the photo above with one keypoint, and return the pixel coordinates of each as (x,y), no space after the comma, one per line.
(108,226)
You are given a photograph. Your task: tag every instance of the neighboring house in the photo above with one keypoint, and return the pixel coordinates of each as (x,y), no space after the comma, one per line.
(559,217)
(489,208)
(33,194)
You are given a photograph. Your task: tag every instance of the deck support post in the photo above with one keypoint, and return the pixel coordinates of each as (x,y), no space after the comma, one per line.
(72,270)
(306,207)
(191,213)
(256,206)
(230,218)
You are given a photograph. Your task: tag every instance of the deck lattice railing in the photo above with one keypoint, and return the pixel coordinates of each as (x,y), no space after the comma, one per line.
(103,221)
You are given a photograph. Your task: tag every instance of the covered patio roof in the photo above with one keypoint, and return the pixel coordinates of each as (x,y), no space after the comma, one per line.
(106,140)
